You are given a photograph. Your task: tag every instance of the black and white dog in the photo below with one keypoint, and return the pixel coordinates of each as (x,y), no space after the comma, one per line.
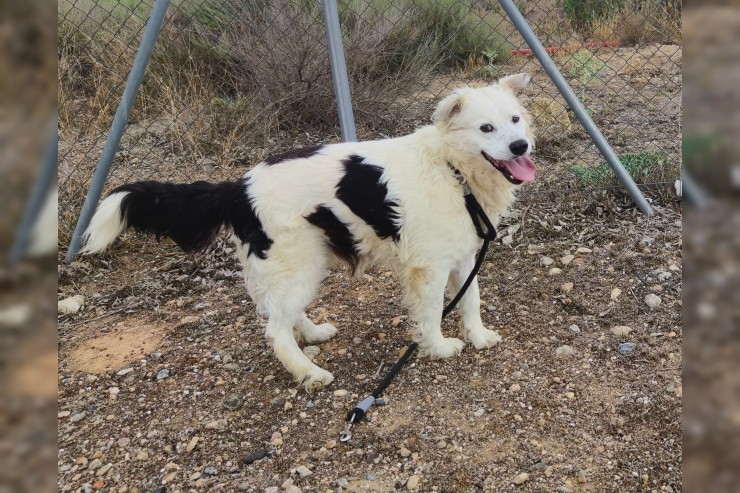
(397,202)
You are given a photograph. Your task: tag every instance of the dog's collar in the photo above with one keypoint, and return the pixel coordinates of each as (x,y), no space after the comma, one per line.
(460,179)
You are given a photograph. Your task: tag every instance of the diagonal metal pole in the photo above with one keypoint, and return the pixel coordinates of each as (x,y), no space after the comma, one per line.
(39,194)
(339,70)
(154,24)
(693,193)
(570,97)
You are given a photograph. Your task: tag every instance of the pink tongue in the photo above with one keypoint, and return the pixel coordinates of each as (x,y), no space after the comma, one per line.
(521,168)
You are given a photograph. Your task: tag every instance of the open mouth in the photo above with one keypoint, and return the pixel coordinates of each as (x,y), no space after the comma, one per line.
(517,171)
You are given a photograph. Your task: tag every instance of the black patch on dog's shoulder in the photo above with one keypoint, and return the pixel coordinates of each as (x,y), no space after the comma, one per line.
(338,235)
(193,214)
(362,191)
(302,153)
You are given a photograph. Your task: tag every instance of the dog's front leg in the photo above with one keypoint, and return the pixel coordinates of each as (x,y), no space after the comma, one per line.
(424,294)
(471,325)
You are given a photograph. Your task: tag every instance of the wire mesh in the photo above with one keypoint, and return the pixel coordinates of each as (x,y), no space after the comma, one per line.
(233,81)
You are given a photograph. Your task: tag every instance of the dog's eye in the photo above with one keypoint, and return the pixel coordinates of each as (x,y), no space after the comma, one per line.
(487,128)
(515,119)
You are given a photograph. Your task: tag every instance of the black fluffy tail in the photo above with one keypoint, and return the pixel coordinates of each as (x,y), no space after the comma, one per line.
(191,214)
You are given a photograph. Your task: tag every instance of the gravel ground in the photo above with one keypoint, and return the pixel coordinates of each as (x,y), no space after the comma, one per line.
(166,382)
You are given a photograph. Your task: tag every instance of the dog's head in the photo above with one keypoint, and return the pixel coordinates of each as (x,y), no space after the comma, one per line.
(488,128)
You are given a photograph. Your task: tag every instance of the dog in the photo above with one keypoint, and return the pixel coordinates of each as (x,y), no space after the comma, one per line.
(396,202)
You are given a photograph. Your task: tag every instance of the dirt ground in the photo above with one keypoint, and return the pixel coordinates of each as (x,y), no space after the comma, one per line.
(165,342)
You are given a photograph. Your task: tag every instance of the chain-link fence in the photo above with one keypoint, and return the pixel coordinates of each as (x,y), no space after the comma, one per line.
(233,81)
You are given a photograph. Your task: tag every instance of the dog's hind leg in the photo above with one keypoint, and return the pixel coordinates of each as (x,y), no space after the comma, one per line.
(471,325)
(313,333)
(424,294)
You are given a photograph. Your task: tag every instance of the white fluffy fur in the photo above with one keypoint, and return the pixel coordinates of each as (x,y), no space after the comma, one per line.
(44,234)
(105,225)
(437,242)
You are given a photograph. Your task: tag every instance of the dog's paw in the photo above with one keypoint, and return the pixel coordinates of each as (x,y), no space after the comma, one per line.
(483,338)
(444,348)
(316,379)
(320,333)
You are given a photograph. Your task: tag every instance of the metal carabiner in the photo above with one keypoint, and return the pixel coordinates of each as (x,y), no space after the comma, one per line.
(346,434)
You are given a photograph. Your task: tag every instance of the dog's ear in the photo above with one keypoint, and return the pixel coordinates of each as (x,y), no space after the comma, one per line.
(515,82)
(448,108)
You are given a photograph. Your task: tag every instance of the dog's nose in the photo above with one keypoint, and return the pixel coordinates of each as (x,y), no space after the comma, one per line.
(519,147)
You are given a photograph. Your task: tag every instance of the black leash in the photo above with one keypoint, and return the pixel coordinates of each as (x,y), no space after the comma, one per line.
(487,232)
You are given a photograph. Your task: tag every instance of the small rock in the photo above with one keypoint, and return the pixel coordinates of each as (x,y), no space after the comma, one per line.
(627,347)
(191,444)
(231,367)
(546,261)
(77,417)
(479,413)
(570,395)
(124,372)
(71,305)
(340,393)
(381,402)
(521,478)
(255,456)
(664,276)
(583,250)
(288,405)
(515,387)
(404,452)
(413,482)
(621,330)
(371,476)
(291,488)
(104,469)
(190,319)
(652,300)
(575,329)
(567,259)
(302,471)
(163,373)
(143,455)
(566,287)
(311,351)
(233,402)
(98,485)
(272,489)
(616,293)
(15,316)
(243,486)
(564,352)
(343,483)
(210,471)
(395,322)
(441,444)
(218,424)
(268,378)
(555,271)
(330,444)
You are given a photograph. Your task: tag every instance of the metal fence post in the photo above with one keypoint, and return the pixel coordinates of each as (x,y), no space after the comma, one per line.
(565,90)
(154,24)
(38,196)
(339,70)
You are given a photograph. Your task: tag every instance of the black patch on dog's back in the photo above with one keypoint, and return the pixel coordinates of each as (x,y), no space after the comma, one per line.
(362,191)
(302,153)
(192,214)
(338,235)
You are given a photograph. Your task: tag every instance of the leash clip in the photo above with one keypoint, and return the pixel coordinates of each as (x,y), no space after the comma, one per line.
(346,434)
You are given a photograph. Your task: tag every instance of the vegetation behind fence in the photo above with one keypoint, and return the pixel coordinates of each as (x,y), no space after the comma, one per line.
(233,81)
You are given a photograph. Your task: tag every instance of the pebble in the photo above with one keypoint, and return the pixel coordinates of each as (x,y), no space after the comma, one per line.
(575,329)
(210,471)
(291,488)
(441,444)
(343,483)
(340,393)
(277,439)
(310,404)
(77,417)
(255,456)
(190,319)
(627,347)
(191,444)
(371,476)
(566,287)
(652,300)
(311,351)
(124,372)
(583,250)
(616,293)
(104,469)
(302,471)
(555,271)
(163,373)
(413,482)
(404,452)
(330,444)
(479,413)
(515,387)
(521,478)
(272,489)
(546,261)
(233,402)
(243,486)
(621,330)
(381,402)
(567,259)
(71,305)
(564,351)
